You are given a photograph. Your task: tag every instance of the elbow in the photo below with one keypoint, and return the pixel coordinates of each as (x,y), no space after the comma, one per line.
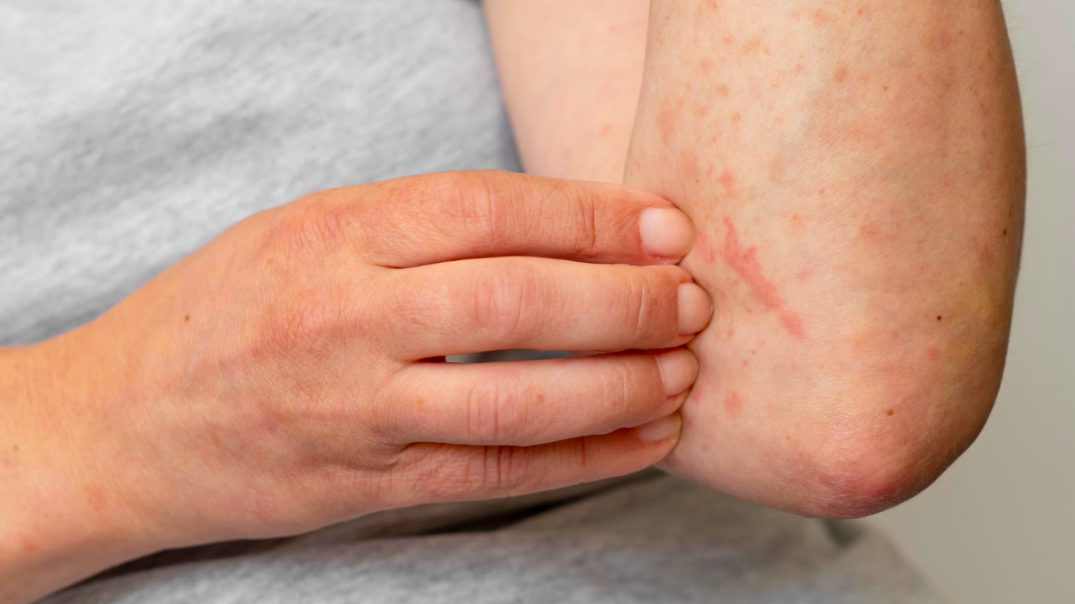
(878,464)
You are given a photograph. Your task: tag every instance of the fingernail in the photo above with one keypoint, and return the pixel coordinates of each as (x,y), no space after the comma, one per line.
(695,308)
(679,369)
(666,232)
(661,429)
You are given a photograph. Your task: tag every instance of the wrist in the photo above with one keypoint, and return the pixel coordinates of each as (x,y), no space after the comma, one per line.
(65,515)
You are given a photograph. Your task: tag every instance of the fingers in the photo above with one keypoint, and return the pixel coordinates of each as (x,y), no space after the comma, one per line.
(540,303)
(454,215)
(439,472)
(534,402)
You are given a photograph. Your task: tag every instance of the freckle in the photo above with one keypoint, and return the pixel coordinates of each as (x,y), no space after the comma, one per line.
(736,117)
(1005,232)
(886,88)
(186,319)
(860,11)
(891,412)
(733,403)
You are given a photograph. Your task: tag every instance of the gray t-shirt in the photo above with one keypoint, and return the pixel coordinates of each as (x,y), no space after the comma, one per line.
(133,131)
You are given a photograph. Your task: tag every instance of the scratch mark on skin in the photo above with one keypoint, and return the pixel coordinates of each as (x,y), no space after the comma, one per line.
(745,263)
(704,247)
(733,403)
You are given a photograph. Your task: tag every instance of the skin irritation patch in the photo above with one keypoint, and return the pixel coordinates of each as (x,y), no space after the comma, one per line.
(745,263)
(733,403)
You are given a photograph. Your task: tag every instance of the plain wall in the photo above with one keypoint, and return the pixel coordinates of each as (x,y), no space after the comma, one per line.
(999,526)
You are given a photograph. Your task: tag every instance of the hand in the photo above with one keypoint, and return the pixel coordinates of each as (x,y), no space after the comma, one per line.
(288,375)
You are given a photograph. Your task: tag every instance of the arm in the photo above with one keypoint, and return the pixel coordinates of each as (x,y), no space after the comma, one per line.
(856,173)
(571,72)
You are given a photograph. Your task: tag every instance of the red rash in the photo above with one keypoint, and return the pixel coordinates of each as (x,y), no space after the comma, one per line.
(733,403)
(727,180)
(705,248)
(745,264)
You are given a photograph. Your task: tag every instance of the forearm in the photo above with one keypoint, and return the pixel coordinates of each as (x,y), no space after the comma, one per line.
(856,171)
(571,73)
(61,518)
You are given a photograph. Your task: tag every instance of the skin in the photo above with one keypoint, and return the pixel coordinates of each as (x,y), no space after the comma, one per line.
(856,172)
(290,374)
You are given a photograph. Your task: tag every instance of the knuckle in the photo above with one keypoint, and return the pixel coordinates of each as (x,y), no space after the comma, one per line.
(640,297)
(500,297)
(313,224)
(482,204)
(502,470)
(617,390)
(586,221)
(489,409)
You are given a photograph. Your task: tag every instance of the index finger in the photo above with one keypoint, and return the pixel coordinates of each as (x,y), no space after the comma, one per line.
(446,216)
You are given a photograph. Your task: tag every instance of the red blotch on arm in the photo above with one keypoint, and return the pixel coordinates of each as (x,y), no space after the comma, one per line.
(745,264)
(733,403)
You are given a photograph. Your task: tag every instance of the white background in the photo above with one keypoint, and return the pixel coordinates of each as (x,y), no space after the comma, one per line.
(999,526)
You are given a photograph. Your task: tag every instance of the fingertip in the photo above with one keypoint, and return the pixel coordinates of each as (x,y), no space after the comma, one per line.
(660,430)
(666,233)
(678,369)
(695,308)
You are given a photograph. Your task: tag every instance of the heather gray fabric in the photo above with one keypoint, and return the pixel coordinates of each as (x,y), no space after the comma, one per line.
(132,131)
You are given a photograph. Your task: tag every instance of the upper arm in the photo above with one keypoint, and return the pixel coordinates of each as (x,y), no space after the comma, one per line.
(571,72)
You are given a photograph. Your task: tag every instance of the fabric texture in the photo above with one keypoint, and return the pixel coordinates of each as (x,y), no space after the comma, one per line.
(133,131)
